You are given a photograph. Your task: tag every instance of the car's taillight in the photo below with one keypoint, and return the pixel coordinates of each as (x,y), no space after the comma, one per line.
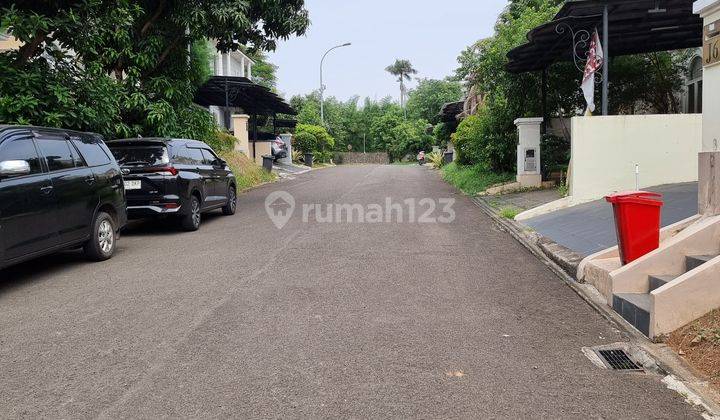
(162,170)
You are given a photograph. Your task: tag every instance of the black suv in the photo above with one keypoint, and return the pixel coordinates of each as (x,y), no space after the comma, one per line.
(175,177)
(58,189)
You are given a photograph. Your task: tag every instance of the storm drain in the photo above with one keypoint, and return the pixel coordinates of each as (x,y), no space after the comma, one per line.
(618,360)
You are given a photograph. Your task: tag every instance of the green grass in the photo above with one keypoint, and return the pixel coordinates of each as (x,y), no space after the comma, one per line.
(472,179)
(247,173)
(510,212)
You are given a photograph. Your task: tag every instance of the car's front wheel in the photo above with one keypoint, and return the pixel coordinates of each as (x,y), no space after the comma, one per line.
(191,221)
(103,240)
(231,206)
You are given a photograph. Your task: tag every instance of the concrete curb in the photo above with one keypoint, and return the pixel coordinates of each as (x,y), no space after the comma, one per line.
(665,357)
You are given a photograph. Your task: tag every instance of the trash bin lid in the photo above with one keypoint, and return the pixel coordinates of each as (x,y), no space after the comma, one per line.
(641,197)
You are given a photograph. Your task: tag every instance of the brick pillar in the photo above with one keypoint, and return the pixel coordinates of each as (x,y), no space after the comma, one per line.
(240,128)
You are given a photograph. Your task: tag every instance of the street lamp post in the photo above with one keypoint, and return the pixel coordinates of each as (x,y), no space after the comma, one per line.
(322,86)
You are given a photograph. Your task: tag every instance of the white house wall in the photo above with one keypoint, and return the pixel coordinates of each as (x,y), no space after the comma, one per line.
(605,151)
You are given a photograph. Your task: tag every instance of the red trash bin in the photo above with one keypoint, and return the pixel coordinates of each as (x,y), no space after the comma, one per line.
(637,221)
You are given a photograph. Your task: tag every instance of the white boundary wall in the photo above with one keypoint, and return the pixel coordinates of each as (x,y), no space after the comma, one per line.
(605,151)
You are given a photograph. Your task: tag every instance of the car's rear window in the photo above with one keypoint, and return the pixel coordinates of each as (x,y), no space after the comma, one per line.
(140,155)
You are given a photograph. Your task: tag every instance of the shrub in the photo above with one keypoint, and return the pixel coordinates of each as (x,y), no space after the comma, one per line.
(323,138)
(472,179)
(222,141)
(487,139)
(323,157)
(442,133)
(305,142)
(554,154)
(436,160)
(467,140)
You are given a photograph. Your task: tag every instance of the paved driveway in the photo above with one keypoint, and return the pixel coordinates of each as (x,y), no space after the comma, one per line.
(316,320)
(589,228)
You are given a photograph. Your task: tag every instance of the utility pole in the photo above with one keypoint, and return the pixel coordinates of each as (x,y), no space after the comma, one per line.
(322,85)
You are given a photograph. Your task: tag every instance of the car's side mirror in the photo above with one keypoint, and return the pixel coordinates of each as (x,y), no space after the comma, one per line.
(10,168)
(220,162)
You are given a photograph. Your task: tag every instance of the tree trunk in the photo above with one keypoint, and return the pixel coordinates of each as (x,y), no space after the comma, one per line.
(28,50)
(146,27)
(167,52)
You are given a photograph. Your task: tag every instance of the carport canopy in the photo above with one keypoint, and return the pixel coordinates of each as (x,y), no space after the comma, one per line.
(241,92)
(634,27)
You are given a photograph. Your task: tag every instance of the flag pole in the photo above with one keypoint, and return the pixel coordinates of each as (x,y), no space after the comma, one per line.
(606,64)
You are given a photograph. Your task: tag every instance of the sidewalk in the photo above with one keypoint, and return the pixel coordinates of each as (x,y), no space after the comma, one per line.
(522,201)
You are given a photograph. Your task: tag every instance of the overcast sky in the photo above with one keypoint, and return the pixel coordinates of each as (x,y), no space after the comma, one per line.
(429,33)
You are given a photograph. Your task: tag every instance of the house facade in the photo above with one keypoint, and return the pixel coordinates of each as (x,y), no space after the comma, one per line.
(234,64)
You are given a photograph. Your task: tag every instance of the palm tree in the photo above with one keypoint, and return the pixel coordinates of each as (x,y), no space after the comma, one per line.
(402,69)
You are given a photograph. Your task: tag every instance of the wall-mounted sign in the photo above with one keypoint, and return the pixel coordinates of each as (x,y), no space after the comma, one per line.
(711,44)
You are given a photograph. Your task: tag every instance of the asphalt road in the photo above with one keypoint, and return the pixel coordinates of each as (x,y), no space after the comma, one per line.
(244,320)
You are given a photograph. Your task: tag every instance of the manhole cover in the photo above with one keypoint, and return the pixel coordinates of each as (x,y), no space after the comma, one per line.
(618,360)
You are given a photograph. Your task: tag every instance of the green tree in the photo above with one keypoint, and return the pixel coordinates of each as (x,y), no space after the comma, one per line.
(427,99)
(403,69)
(263,71)
(141,60)
(647,82)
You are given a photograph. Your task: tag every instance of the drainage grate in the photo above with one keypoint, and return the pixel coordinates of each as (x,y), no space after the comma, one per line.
(618,360)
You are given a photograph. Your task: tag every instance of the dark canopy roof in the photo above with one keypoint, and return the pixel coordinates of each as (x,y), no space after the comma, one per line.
(635,26)
(285,123)
(449,112)
(242,93)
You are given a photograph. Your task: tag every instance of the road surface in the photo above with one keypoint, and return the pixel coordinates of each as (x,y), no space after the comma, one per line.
(242,319)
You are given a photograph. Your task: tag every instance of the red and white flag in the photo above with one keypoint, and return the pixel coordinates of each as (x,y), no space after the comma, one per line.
(594,63)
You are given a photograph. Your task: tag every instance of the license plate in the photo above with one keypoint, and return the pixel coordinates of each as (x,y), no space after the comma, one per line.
(132,185)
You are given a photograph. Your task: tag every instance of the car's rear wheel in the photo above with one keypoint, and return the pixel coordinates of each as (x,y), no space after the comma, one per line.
(103,240)
(231,206)
(191,221)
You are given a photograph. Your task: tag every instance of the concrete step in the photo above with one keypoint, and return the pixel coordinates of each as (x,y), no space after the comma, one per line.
(659,281)
(694,261)
(635,309)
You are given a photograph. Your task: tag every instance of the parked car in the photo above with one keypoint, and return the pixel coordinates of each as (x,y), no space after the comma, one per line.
(174,177)
(58,189)
(278,149)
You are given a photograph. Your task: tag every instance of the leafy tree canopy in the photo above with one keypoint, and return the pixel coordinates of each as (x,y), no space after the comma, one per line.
(141,61)
(427,99)
(649,82)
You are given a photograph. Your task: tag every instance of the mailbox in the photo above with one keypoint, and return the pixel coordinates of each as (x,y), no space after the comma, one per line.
(530,160)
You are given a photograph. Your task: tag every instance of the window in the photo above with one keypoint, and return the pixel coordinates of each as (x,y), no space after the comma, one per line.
(23,149)
(140,155)
(188,156)
(91,151)
(209,156)
(57,153)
